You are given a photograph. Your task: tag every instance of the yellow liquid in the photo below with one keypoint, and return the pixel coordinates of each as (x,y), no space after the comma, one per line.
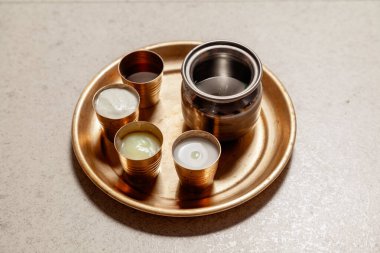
(139,145)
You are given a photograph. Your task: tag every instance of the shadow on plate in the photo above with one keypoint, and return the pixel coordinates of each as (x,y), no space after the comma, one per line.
(174,226)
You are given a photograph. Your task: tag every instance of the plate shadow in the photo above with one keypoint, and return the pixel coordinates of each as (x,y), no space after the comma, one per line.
(174,226)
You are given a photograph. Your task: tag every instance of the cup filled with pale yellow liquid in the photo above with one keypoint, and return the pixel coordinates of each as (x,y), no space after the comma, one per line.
(139,148)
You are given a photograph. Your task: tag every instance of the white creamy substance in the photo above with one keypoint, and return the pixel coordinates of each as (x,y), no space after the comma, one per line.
(196,153)
(116,103)
(139,145)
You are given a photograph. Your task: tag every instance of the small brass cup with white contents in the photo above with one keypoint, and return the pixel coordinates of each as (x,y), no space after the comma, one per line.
(116,105)
(139,148)
(196,156)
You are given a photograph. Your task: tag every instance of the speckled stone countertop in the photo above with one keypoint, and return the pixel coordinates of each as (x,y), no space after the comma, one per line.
(327,53)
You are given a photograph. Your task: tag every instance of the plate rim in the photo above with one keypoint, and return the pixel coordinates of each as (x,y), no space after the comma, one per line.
(180,212)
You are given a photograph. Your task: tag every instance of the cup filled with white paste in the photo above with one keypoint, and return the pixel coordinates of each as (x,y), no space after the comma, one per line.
(139,148)
(116,105)
(196,155)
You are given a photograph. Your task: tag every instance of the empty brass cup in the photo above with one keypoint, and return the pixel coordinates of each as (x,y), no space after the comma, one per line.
(198,178)
(111,126)
(144,168)
(138,62)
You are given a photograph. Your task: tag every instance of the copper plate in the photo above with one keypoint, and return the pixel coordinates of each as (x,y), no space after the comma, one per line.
(247,166)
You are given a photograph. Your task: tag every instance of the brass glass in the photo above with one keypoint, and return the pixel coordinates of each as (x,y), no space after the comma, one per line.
(111,126)
(143,169)
(246,166)
(199,178)
(143,61)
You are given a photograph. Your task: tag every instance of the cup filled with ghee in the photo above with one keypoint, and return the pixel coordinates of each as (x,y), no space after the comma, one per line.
(139,148)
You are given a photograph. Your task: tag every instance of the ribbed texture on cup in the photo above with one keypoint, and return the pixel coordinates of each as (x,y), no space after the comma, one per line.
(143,61)
(111,127)
(144,168)
(197,178)
(149,92)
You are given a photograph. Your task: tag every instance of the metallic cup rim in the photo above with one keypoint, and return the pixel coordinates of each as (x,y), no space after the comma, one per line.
(140,167)
(191,57)
(110,125)
(149,90)
(196,177)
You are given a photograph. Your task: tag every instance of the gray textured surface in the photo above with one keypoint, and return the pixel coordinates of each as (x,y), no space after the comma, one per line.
(326,53)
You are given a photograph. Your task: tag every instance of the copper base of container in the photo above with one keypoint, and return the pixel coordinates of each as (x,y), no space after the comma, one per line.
(225,128)
(246,166)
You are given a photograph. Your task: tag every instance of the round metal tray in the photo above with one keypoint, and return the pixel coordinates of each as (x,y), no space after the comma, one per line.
(247,166)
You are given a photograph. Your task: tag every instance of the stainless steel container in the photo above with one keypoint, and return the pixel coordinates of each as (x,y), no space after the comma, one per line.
(221,89)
